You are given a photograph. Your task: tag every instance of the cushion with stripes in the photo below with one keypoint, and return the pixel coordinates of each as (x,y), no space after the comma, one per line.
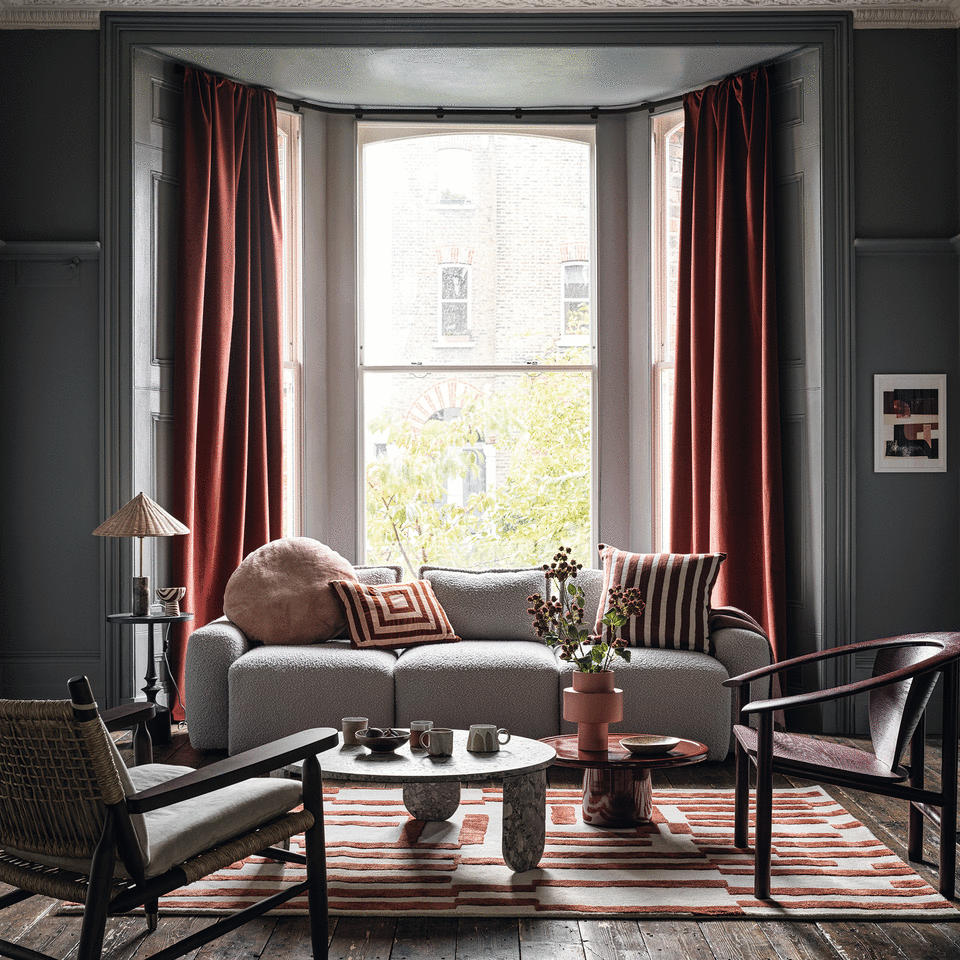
(393,615)
(676,588)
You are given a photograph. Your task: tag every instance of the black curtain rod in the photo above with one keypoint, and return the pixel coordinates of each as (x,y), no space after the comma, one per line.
(441,113)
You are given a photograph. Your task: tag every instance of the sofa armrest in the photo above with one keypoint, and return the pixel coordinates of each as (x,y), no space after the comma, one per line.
(740,650)
(211,651)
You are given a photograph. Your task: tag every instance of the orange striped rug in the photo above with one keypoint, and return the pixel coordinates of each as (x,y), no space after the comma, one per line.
(381,862)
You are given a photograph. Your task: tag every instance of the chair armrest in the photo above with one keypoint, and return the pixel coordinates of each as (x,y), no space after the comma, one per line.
(243,766)
(832,653)
(845,690)
(127,715)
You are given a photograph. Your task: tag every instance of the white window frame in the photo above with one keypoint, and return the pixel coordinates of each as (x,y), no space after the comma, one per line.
(442,336)
(291,191)
(333,444)
(572,339)
(663,320)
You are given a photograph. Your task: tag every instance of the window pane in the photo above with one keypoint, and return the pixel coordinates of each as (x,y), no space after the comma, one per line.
(454,322)
(531,195)
(453,285)
(479,470)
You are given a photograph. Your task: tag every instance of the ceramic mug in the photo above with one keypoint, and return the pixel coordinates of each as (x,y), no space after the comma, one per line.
(350,726)
(417,729)
(486,738)
(438,741)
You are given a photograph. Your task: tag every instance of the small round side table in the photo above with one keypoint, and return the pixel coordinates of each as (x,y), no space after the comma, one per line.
(617,790)
(159,726)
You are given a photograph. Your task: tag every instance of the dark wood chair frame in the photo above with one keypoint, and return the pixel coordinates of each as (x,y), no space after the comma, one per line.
(905,672)
(104,897)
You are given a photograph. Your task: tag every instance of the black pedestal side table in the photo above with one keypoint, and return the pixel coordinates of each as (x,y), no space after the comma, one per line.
(159,726)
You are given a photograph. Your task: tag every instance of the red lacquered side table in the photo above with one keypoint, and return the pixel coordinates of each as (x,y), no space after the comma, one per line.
(617,789)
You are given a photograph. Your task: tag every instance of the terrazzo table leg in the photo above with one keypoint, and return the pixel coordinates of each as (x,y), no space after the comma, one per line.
(524,819)
(432,801)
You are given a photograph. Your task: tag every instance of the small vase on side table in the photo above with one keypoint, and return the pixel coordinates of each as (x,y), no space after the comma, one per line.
(593,703)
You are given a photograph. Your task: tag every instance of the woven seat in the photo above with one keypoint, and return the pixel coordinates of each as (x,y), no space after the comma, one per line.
(905,671)
(76,825)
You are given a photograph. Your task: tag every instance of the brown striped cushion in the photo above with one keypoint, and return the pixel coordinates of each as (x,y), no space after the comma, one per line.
(392,615)
(676,588)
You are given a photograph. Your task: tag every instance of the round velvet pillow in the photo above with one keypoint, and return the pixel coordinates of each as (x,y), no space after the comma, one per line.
(281,592)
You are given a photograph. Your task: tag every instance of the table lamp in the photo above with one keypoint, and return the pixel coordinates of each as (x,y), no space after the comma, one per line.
(141,517)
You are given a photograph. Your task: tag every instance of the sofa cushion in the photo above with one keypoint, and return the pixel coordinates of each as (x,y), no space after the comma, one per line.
(676,589)
(281,592)
(392,616)
(275,691)
(487,604)
(510,683)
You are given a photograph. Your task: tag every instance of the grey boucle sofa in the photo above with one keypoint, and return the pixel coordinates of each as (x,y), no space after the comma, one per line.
(240,695)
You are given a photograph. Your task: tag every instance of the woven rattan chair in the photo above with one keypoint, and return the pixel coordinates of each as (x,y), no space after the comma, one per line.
(77,825)
(905,671)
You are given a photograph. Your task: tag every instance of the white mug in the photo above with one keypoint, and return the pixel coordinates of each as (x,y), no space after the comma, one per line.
(350,726)
(486,738)
(417,729)
(438,741)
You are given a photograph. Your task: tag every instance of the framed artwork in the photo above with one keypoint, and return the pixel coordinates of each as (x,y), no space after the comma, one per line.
(910,412)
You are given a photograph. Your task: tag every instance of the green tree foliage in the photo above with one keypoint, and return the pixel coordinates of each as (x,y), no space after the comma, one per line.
(539,426)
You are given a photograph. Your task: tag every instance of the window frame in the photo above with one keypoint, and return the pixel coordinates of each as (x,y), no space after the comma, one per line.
(442,336)
(372,131)
(572,339)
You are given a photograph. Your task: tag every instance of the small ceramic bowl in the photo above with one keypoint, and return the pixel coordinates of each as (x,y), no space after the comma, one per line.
(649,743)
(387,742)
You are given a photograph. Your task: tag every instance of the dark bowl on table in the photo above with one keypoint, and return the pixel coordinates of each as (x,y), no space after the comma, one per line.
(386,742)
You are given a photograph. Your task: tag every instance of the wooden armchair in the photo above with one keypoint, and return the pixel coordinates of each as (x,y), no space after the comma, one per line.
(905,671)
(77,825)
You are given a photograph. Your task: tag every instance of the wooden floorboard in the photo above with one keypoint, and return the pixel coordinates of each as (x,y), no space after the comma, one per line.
(35,923)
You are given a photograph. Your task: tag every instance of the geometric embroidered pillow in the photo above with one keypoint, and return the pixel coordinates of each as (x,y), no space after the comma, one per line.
(392,615)
(676,588)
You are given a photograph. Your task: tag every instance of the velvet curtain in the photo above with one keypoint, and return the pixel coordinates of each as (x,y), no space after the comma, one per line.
(726,491)
(227,472)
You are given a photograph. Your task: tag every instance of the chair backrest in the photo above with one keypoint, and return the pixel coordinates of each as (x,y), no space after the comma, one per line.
(56,773)
(896,709)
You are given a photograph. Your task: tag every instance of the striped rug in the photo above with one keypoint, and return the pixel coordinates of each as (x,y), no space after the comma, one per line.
(381,862)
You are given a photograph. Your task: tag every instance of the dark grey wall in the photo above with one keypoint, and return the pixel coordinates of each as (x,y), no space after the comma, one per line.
(908,527)
(905,163)
(49,361)
(50,143)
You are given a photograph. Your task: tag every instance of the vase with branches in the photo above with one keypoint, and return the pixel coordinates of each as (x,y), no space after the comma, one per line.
(558,617)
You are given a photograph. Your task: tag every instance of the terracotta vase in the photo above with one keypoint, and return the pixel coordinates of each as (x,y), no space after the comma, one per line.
(593,703)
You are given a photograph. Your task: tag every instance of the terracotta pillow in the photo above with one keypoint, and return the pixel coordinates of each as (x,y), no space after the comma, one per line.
(394,615)
(676,588)
(281,592)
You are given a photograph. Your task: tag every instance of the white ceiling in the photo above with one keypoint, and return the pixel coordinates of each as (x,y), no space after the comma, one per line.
(485,78)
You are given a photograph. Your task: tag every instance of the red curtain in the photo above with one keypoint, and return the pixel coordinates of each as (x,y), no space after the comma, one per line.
(227,472)
(726,490)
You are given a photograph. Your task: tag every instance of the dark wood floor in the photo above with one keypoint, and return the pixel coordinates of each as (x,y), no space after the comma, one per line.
(35,923)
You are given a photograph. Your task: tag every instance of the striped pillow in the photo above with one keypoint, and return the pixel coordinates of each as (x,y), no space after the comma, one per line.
(676,588)
(392,615)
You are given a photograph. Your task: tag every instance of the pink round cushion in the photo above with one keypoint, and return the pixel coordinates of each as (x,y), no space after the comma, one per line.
(281,592)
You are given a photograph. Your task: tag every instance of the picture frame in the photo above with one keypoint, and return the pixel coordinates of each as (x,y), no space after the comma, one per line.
(910,412)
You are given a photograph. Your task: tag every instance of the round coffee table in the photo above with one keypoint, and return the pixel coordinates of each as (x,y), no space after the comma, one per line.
(431,785)
(617,790)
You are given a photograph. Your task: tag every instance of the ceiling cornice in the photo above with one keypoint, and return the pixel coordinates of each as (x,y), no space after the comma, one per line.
(85,14)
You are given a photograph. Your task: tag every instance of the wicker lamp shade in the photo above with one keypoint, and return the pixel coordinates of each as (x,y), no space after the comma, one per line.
(141,517)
